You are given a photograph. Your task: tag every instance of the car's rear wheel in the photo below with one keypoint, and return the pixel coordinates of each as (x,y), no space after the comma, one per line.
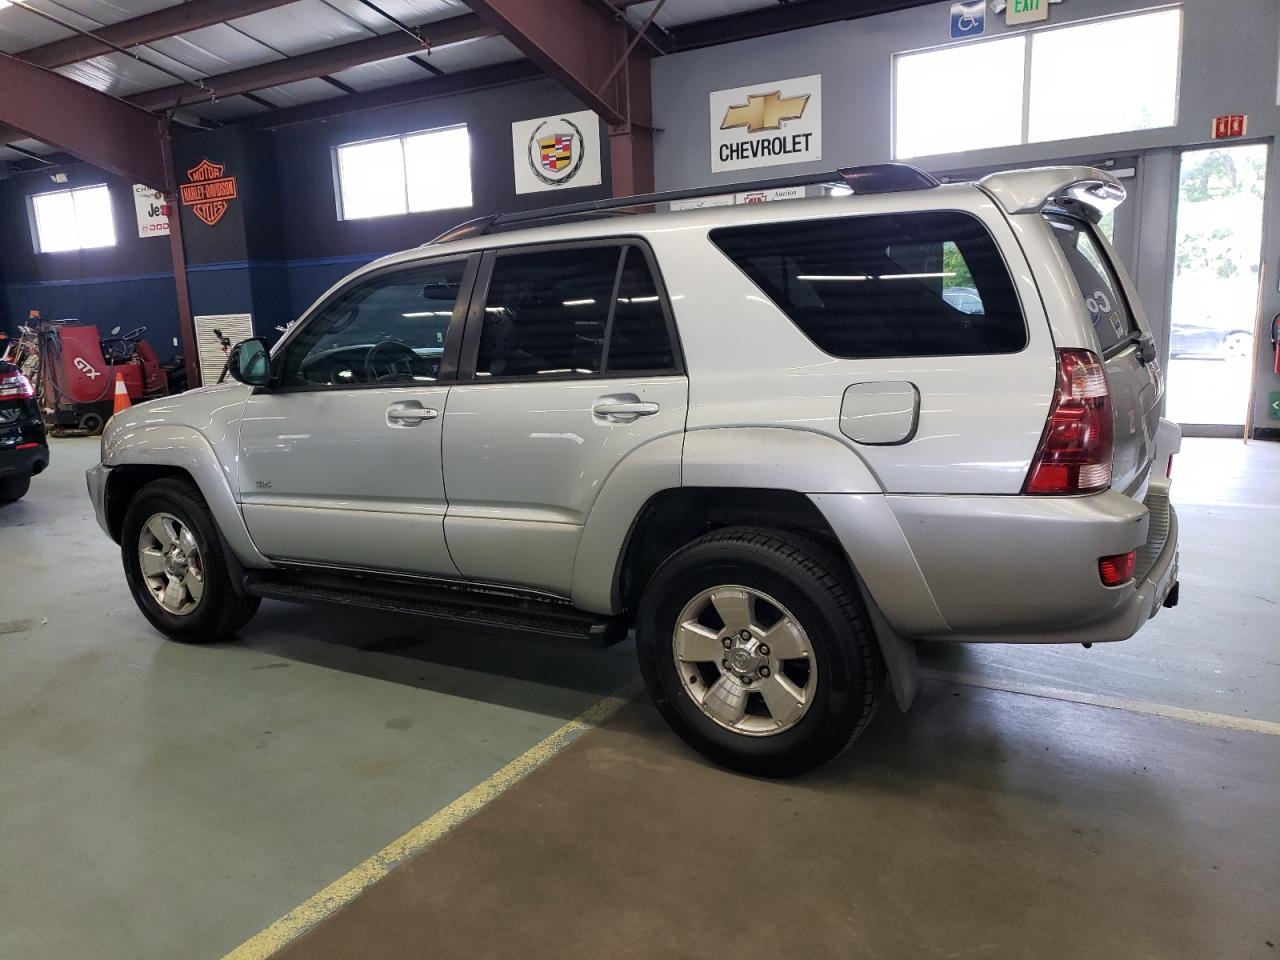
(14,488)
(757,651)
(176,566)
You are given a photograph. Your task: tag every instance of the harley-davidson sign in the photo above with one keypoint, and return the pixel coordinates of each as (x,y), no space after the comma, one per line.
(208,191)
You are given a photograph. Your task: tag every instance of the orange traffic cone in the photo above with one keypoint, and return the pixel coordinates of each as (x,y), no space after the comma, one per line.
(122,395)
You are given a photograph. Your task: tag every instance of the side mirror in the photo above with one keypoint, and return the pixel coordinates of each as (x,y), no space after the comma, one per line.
(250,363)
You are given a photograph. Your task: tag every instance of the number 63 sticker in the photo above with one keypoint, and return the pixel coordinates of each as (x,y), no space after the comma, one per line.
(1100,305)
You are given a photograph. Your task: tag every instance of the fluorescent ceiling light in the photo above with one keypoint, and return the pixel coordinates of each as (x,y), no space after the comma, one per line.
(913,276)
(422,313)
(578,303)
(832,276)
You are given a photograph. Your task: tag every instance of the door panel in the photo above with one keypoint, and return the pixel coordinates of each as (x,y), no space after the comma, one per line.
(348,486)
(570,365)
(524,463)
(341,457)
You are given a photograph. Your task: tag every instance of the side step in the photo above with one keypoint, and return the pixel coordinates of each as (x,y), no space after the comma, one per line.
(459,605)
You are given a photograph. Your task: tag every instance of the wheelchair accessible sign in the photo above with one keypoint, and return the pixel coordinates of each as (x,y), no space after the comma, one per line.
(968,19)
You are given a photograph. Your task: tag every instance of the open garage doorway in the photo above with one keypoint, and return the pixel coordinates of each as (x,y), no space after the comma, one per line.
(1215,274)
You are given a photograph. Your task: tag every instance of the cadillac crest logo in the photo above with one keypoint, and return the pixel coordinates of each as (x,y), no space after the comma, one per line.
(556,151)
(208,191)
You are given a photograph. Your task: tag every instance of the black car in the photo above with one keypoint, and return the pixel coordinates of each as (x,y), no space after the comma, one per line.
(24,451)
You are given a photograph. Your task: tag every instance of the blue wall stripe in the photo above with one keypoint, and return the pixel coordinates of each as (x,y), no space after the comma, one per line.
(200,268)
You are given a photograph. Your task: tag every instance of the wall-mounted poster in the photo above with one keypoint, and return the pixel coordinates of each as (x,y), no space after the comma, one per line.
(153,214)
(766,124)
(556,153)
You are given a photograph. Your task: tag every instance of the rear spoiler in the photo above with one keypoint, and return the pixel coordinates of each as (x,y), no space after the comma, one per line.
(1030,191)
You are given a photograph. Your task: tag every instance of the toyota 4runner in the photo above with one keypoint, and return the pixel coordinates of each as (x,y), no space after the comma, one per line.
(783,441)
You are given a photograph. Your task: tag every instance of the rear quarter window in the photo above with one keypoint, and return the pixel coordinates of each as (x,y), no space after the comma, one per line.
(1099,287)
(897,285)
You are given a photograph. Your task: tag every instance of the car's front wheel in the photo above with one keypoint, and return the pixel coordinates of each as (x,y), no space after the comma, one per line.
(757,651)
(175,564)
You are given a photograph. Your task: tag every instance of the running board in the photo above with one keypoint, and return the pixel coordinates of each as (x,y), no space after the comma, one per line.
(458,605)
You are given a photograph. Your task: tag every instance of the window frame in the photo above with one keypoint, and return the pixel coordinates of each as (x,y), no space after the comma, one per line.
(995,242)
(452,340)
(1028,52)
(34,223)
(335,164)
(480,296)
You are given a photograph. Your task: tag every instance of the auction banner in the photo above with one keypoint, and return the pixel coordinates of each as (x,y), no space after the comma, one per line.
(766,124)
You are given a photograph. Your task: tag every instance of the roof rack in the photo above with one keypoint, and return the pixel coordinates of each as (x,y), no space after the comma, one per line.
(872,178)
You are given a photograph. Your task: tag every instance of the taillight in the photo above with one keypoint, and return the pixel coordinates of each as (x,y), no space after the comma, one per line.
(1075,452)
(14,386)
(1117,569)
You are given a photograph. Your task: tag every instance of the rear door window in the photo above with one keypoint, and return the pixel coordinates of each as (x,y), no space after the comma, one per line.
(1112,321)
(899,285)
(573,312)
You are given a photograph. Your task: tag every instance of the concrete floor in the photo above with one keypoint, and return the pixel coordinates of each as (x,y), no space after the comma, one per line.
(158,800)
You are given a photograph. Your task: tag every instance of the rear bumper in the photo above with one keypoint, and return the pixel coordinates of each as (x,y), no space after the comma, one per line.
(24,462)
(1020,569)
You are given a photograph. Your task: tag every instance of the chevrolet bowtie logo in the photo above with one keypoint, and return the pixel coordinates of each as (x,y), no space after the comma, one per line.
(764,111)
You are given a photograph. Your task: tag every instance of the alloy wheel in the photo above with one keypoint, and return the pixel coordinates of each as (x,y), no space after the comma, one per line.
(745,660)
(171,564)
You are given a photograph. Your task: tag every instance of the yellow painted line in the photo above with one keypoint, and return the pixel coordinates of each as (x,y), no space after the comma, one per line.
(1225,721)
(351,884)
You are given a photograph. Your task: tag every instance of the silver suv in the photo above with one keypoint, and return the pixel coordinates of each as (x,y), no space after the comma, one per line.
(765,436)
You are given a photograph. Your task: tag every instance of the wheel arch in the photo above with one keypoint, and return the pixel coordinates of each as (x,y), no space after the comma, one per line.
(138,457)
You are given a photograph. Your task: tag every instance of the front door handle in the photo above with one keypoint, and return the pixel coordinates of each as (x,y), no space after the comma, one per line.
(410,413)
(623,409)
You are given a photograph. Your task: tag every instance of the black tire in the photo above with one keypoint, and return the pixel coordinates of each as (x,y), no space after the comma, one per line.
(220,610)
(820,593)
(14,488)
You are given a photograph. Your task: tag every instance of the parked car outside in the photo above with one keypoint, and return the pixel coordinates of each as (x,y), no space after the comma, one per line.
(761,436)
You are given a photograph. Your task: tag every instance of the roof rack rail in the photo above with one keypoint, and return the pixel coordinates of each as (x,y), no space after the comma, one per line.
(872,178)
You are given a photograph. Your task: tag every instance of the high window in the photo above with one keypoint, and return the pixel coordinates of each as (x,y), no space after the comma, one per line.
(423,171)
(78,219)
(1057,83)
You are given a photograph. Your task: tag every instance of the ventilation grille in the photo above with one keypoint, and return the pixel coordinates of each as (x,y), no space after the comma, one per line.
(234,326)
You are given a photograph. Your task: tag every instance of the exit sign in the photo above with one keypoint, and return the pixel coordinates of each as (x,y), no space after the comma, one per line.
(1026,11)
(1230,125)
(1275,406)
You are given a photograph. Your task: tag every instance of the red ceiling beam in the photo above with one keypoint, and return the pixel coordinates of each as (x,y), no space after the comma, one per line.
(572,40)
(777,19)
(93,126)
(169,22)
(441,33)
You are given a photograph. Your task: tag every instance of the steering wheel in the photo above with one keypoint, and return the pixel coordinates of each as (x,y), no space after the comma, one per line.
(134,334)
(407,356)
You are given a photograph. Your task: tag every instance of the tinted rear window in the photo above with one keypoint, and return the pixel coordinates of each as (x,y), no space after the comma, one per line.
(901,285)
(1097,281)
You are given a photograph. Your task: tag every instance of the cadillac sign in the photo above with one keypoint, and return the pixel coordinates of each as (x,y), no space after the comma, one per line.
(556,153)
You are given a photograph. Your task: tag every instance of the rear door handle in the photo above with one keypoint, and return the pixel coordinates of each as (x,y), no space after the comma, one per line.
(623,409)
(409,413)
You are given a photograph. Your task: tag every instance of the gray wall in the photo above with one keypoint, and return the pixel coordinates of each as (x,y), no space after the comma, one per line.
(1229,65)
